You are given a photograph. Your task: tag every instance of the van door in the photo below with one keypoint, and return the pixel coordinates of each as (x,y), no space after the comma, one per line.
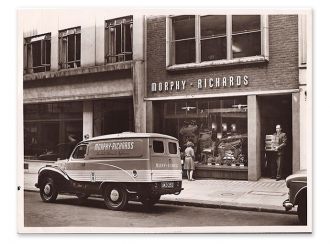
(76,166)
(165,160)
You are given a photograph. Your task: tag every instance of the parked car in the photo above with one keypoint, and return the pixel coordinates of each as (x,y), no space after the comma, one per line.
(297,184)
(119,167)
(61,151)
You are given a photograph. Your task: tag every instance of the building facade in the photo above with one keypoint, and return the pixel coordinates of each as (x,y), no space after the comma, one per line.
(224,82)
(83,77)
(221,81)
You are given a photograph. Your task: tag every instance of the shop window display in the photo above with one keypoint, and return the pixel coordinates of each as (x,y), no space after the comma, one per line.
(217,127)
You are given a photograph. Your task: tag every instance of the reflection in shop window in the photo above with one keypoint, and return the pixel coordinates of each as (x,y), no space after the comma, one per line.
(217,127)
(51,130)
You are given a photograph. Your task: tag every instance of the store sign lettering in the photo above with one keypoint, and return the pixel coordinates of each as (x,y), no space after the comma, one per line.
(205,83)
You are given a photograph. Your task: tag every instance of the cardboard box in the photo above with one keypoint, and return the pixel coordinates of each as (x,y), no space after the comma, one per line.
(270,143)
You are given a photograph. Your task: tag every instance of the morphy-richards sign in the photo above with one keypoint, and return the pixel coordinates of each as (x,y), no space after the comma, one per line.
(201,83)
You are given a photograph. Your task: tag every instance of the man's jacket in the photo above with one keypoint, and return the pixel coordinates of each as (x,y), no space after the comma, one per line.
(281,142)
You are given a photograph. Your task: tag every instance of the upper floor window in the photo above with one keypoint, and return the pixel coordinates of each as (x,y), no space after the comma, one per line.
(37,53)
(198,39)
(119,39)
(69,48)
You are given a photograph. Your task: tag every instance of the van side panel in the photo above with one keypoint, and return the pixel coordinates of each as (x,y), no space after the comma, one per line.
(165,166)
(113,160)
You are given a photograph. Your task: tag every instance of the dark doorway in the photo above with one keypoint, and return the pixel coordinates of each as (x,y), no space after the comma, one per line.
(276,110)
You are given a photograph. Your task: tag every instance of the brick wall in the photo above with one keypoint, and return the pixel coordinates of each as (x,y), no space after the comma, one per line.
(281,72)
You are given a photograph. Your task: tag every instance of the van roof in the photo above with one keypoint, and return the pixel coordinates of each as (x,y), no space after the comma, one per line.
(130,135)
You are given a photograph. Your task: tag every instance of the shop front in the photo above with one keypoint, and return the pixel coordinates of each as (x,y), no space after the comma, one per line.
(218,129)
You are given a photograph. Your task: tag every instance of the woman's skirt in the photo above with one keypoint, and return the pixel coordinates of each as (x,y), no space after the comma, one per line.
(189,163)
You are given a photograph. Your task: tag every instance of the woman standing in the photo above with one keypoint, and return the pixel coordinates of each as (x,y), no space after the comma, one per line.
(189,160)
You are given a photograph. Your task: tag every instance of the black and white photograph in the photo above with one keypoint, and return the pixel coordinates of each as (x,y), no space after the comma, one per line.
(164,120)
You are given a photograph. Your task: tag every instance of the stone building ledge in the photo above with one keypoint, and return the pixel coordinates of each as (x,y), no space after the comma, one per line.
(218,63)
(79,71)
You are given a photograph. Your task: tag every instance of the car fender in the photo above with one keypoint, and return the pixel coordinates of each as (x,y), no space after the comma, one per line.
(298,194)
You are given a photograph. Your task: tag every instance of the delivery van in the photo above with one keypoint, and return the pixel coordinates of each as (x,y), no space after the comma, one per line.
(120,167)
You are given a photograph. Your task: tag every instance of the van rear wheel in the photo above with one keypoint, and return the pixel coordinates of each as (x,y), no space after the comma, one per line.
(115,197)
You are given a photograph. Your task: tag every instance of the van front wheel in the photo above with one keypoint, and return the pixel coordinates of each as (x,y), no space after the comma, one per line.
(115,197)
(48,190)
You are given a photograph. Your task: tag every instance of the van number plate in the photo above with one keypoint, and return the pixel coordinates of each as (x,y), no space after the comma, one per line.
(167,184)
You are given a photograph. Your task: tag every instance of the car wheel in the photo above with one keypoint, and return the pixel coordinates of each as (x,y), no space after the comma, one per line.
(149,201)
(115,197)
(48,191)
(302,211)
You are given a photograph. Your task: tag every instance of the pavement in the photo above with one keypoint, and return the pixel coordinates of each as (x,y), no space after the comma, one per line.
(264,195)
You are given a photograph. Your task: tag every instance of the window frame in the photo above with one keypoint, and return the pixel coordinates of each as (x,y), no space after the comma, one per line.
(170,58)
(76,149)
(110,52)
(45,39)
(63,36)
(153,148)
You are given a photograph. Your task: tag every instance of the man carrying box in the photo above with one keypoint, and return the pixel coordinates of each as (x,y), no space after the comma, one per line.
(277,161)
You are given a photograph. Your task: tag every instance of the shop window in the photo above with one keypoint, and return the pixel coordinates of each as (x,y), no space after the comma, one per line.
(80,152)
(217,127)
(158,146)
(69,48)
(202,40)
(119,39)
(172,148)
(52,130)
(37,53)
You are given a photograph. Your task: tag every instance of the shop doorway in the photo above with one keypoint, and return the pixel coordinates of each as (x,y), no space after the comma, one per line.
(276,110)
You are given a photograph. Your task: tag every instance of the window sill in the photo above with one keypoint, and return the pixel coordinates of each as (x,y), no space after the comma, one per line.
(79,71)
(218,63)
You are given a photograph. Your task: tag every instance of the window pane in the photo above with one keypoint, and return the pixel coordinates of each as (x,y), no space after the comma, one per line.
(80,152)
(158,146)
(213,25)
(214,49)
(78,41)
(36,53)
(118,39)
(71,48)
(172,148)
(246,45)
(128,38)
(185,52)
(246,23)
(183,27)
(47,53)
